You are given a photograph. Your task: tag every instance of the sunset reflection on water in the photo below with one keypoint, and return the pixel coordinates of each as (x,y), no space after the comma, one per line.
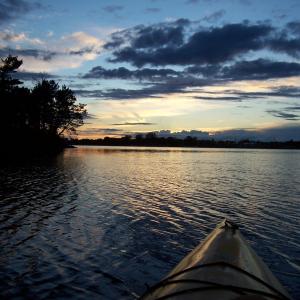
(102,221)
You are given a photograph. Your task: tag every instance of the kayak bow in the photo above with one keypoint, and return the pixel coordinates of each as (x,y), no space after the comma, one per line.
(223,266)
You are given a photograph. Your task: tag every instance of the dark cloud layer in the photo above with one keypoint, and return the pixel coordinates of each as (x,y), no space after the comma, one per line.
(290,113)
(166,81)
(33,75)
(124,73)
(157,89)
(237,95)
(89,93)
(177,43)
(280,91)
(43,54)
(293,108)
(214,45)
(181,83)
(152,91)
(103,131)
(294,27)
(221,98)
(261,69)
(199,56)
(284,115)
(156,35)
(13,9)
(285,44)
(37,53)
(248,70)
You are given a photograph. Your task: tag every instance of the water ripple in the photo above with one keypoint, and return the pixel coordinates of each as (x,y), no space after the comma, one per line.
(102,222)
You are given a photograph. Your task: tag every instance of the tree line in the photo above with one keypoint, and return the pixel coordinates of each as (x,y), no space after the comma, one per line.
(37,116)
(152,140)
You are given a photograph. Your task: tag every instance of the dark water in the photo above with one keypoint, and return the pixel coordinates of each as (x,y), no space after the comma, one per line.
(100,223)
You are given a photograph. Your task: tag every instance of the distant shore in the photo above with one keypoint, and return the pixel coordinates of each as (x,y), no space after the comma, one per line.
(189,142)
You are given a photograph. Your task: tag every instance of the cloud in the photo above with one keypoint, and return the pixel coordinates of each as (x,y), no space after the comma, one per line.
(100,131)
(69,51)
(294,27)
(182,43)
(220,98)
(152,37)
(124,73)
(201,56)
(145,110)
(168,81)
(178,84)
(36,53)
(156,35)
(285,44)
(215,16)
(291,113)
(207,46)
(284,115)
(80,43)
(201,135)
(33,75)
(89,116)
(8,36)
(13,9)
(280,91)
(89,93)
(260,69)
(130,94)
(156,90)
(293,108)
(133,124)
(119,94)
(248,70)
(113,8)
(238,96)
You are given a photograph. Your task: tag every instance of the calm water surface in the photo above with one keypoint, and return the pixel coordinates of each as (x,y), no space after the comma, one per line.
(101,223)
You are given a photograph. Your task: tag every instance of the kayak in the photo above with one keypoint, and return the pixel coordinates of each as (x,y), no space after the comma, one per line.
(223,266)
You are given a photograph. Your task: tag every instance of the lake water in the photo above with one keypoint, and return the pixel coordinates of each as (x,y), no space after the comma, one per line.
(101,222)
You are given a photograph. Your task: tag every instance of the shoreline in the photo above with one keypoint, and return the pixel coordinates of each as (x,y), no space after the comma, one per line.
(281,147)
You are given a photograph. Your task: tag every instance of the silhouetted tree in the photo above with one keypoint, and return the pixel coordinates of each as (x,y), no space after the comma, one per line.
(9,65)
(150,135)
(139,137)
(57,108)
(190,141)
(38,115)
(12,96)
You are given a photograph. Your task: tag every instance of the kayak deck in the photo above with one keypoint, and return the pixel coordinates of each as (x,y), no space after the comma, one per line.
(223,266)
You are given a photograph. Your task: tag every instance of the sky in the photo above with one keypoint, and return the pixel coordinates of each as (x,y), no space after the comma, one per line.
(205,68)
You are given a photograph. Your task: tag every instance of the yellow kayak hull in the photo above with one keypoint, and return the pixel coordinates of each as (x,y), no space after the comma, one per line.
(223,266)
